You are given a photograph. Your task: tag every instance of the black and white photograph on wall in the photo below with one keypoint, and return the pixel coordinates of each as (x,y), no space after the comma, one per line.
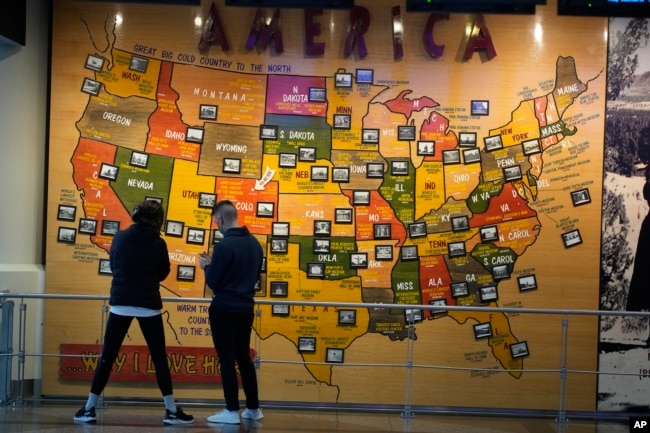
(451,156)
(500,272)
(138,64)
(342,121)
(231,165)
(208,112)
(383,252)
(489,234)
(472,156)
(306,344)
(456,249)
(319,173)
(571,238)
(517,350)
(317,94)
(426,148)
(268,132)
(316,270)
(480,107)
(370,136)
(459,288)
(279,245)
(263,266)
(399,168)
(307,154)
(108,171)
(207,199)
(417,229)
(459,223)
(321,246)
(488,293)
(438,312)
(374,170)
(287,160)
(66,212)
(364,76)
(342,80)
(408,253)
(381,231)
(531,147)
(322,228)
(110,227)
(265,209)
(467,139)
(67,235)
(91,86)
(156,199)
(580,197)
(341,174)
(194,135)
(406,133)
(280,229)
(334,355)
(185,273)
(174,228)
(279,289)
(482,330)
(195,236)
(412,315)
(87,226)
(492,143)
(527,282)
(139,159)
(347,317)
(94,63)
(104,267)
(358,260)
(343,215)
(361,197)
(512,173)
(280,310)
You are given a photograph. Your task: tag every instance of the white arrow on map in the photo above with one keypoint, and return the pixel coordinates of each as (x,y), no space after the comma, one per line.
(261,183)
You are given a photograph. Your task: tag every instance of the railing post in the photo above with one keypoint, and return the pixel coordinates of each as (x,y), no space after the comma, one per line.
(408,385)
(6,349)
(22,332)
(561,418)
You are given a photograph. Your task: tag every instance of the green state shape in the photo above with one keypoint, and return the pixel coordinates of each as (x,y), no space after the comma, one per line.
(133,184)
(300,131)
(479,199)
(405,279)
(337,257)
(398,191)
(489,255)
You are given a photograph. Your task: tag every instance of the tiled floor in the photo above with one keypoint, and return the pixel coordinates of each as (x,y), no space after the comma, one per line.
(120,418)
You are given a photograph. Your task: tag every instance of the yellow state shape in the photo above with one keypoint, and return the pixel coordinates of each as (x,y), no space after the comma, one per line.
(122,81)
(184,195)
(429,187)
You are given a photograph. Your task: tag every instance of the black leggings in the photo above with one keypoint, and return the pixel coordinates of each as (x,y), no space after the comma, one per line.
(154,334)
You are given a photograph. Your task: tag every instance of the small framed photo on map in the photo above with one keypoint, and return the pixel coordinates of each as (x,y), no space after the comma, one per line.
(383,252)
(381,231)
(108,171)
(517,350)
(104,267)
(195,236)
(319,173)
(492,143)
(527,282)
(375,170)
(500,272)
(91,86)
(361,197)
(66,213)
(110,227)
(408,253)
(194,135)
(406,132)
(307,154)
(342,121)
(489,234)
(482,330)
(185,273)
(471,156)
(343,215)
(139,159)
(412,315)
(370,136)
(459,288)
(451,156)
(321,246)
(268,132)
(580,197)
(94,63)
(459,223)
(87,226)
(531,147)
(280,310)
(280,229)
(467,139)
(418,229)
(347,317)
(287,160)
(399,168)
(207,199)
(571,238)
(265,209)
(488,293)
(358,260)
(156,199)
(364,76)
(138,64)
(512,173)
(480,107)
(306,344)
(334,355)
(231,165)
(438,312)
(279,245)
(322,228)
(317,94)
(456,249)
(174,228)
(208,112)
(67,235)
(316,270)
(342,80)
(426,148)
(279,289)
(341,174)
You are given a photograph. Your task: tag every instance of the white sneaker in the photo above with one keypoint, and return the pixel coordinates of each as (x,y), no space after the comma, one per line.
(253,414)
(225,417)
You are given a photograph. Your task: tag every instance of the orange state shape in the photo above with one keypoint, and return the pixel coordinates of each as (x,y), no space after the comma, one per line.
(508,205)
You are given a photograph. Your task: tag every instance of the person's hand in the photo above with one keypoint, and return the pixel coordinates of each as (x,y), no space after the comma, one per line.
(204,260)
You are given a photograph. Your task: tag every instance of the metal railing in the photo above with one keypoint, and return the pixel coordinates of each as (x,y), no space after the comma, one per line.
(7,355)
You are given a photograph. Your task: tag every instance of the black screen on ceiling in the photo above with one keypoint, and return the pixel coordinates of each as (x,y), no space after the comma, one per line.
(474,6)
(605,8)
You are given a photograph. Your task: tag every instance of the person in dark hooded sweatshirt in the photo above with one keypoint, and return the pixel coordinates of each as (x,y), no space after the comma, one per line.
(139,262)
(232,273)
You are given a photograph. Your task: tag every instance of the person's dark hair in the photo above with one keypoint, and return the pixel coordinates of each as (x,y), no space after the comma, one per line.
(149,212)
(646,191)
(226,208)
